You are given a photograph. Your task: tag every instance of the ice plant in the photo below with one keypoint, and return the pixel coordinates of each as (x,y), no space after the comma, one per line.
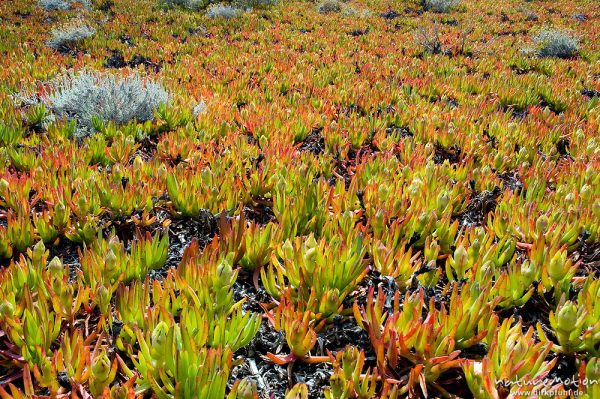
(102,373)
(558,270)
(514,285)
(243,389)
(150,233)
(575,322)
(299,328)
(589,378)
(512,356)
(172,364)
(348,379)
(399,263)
(318,268)
(298,391)
(426,345)
(567,322)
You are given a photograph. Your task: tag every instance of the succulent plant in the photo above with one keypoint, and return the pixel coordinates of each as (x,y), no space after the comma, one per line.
(348,379)
(421,198)
(172,364)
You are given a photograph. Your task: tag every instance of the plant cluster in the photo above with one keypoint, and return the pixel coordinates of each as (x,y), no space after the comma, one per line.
(440,6)
(89,96)
(65,37)
(347,212)
(554,43)
(56,5)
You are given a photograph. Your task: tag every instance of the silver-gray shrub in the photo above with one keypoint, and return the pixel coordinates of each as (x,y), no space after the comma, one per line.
(329,6)
(554,43)
(69,35)
(55,5)
(252,4)
(109,97)
(189,4)
(223,7)
(440,5)
(223,11)
(199,108)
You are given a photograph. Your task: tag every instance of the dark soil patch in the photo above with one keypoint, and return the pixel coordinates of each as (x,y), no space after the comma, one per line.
(511,182)
(455,383)
(403,131)
(562,147)
(565,369)
(273,380)
(314,142)
(350,109)
(126,39)
(536,310)
(479,206)
(181,233)
(477,351)
(590,93)
(141,60)
(531,17)
(450,154)
(124,228)
(344,168)
(358,32)
(107,6)
(116,60)
(147,148)
(315,376)
(68,252)
(491,140)
(244,288)
(589,254)
(22,14)
(450,22)
(390,14)
(260,212)
(520,71)
(439,298)
(373,279)
(343,332)
(67,50)
(551,106)
(199,30)
(517,113)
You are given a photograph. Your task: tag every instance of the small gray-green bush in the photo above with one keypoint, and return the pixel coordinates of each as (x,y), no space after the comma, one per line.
(189,4)
(252,4)
(223,8)
(110,97)
(199,108)
(440,5)
(329,6)
(554,43)
(54,5)
(66,37)
(223,11)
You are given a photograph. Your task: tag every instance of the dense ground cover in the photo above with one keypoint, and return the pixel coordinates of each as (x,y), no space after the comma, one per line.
(363,199)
